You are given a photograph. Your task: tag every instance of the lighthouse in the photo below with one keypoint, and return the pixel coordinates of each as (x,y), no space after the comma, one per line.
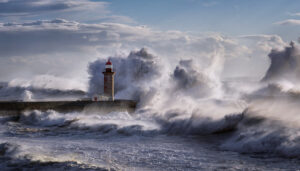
(109,80)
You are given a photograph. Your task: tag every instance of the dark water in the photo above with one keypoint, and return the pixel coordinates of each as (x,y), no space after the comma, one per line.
(78,141)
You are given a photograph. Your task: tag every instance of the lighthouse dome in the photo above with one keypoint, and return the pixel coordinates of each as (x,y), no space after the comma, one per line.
(108,63)
(108,66)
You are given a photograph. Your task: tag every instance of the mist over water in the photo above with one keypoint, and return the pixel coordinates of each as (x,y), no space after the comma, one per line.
(189,100)
(43,87)
(187,118)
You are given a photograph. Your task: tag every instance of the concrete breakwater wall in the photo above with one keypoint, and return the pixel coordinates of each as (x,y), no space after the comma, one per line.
(14,107)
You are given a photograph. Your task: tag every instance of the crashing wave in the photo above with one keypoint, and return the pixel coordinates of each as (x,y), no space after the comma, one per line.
(181,102)
(30,93)
(13,158)
(261,135)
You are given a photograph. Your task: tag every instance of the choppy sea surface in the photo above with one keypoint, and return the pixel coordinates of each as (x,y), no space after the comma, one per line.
(50,140)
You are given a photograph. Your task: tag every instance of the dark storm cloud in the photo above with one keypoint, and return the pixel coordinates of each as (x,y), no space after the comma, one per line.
(19,6)
(40,37)
(9,7)
(285,64)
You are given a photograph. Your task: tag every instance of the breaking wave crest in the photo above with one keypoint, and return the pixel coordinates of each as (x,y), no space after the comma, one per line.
(113,123)
(14,157)
(127,124)
(249,131)
(31,93)
(260,135)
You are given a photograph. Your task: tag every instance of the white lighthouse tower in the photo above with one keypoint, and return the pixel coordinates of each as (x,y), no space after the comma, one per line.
(109,80)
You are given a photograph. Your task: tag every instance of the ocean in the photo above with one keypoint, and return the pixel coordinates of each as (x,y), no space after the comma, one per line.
(119,141)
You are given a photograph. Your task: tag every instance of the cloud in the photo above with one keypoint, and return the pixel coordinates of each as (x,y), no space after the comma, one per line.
(64,47)
(266,42)
(210,4)
(80,10)
(289,22)
(26,7)
(113,19)
(46,36)
(294,14)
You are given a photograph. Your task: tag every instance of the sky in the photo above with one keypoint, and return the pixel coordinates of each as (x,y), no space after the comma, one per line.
(57,39)
(226,16)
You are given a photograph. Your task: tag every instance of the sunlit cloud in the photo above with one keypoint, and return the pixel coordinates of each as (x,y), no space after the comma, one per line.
(289,22)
